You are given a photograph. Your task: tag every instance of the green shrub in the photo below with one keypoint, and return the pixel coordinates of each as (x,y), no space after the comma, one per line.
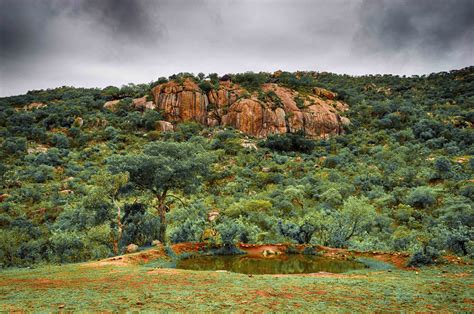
(289,142)
(421,197)
(14,145)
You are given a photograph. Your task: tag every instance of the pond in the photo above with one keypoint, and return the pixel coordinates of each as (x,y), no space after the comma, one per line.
(281,264)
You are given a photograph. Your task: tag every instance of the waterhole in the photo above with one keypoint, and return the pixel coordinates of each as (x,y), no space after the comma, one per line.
(281,264)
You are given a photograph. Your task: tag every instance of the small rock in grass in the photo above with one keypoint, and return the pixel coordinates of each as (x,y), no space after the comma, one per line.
(131,248)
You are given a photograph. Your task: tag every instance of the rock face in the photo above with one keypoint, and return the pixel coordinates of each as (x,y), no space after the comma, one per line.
(279,110)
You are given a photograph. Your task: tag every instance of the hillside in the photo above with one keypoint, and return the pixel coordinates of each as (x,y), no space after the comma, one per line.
(375,162)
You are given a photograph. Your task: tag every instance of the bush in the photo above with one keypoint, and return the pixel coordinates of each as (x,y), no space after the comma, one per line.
(150,118)
(139,226)
(60,140)
(289,142)
(300,233)
(230,231)
(427,256)
(205,86)
(250,80)
(14,145)
(421,197)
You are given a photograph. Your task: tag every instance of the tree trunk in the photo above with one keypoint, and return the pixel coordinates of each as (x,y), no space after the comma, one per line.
(120,228)
(162,213)
(162,235)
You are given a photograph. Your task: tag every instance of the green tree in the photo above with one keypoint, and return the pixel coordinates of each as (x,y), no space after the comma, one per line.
(353,219)
(164,167)
(110,186)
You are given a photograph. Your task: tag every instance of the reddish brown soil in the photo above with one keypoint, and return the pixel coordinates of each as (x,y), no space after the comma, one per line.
(127,259)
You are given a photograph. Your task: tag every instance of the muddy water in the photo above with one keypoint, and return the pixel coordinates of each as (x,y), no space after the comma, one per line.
(281,264)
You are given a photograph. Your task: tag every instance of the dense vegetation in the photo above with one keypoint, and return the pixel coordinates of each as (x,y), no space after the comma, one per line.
(80,182)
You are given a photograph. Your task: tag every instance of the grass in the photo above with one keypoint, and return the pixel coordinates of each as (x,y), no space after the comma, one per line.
(88,287)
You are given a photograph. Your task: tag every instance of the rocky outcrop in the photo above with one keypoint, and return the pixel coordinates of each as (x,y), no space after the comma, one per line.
(321,92)
(143,104)
(278,110)
(181,102)
(34,105)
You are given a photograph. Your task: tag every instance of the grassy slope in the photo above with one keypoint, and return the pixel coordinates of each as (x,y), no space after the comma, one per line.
(89,286)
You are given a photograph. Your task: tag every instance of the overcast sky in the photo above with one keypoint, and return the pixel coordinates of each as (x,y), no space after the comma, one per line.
(50,43)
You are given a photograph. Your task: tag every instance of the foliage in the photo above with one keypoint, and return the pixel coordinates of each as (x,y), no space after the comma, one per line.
(289,142)
(400,176)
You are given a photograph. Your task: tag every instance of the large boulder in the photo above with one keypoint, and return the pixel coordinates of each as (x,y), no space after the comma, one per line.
(181,102)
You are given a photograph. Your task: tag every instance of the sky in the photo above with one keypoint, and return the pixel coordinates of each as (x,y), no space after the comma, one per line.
(96,43)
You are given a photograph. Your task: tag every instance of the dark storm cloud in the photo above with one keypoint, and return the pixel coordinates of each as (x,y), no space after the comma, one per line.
(24,23)
(130,18)
(431,27)
(21,26)
(48,43)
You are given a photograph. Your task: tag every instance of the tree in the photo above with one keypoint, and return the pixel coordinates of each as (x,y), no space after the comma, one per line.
(353,219)
(164,167)
(110,186)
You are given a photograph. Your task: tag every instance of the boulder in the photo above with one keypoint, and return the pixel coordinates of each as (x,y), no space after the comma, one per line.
(321,92)
(78,122)
(164,126)
(112,105)
(181,102)
(156,243)
(212,215)
(268,252)
(143,104)
(34,105)
(4,197)
(131,248)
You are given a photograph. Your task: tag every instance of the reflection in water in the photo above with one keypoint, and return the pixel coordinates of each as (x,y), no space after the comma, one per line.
(282,264)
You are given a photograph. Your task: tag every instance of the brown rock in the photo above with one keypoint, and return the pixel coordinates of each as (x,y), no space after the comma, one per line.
(164,126)
(34,105)
(321,92)
(4,197)
(181,102)
(142,104)
(131,248)
(78,122)
(112,105)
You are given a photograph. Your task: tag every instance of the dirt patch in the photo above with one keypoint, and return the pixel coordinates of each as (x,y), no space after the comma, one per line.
(130,259)
(399,260)
(188,247)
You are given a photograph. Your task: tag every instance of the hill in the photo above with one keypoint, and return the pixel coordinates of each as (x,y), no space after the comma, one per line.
(375,162)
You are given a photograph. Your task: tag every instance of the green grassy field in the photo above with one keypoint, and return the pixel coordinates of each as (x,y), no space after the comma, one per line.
(90,287)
